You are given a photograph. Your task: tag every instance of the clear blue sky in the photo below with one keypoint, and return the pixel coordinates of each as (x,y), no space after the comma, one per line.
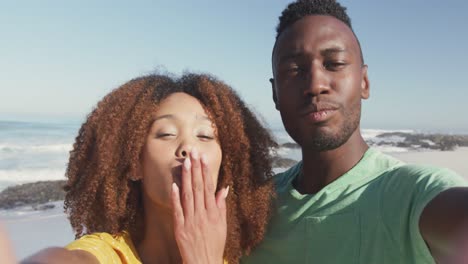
(58,58)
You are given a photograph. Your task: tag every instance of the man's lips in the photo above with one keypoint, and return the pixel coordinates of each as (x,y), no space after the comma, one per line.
(318,113)
(319,116)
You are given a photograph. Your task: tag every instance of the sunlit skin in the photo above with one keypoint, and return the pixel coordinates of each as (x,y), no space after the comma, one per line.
(6,249)
(181,125)
(184,219)
(319,82)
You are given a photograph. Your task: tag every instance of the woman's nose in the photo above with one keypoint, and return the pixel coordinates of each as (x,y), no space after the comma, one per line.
(183,151)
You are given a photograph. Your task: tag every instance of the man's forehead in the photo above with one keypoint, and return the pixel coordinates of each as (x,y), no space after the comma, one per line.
(327,30)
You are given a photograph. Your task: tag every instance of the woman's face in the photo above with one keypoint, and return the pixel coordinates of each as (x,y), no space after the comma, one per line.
(181,124)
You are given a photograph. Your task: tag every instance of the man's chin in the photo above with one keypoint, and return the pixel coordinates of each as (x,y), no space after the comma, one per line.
(322,140)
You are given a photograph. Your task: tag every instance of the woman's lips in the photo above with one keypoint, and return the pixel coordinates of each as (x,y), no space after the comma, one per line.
(177,174)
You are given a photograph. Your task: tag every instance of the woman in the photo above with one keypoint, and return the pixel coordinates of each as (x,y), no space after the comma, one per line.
(6,251)
(145,167)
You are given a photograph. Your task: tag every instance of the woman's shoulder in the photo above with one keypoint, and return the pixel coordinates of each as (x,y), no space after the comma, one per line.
(107,248)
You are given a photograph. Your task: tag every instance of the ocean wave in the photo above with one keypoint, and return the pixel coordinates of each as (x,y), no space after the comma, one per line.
(14,148)
(373,133)
(20,176)
(390,149)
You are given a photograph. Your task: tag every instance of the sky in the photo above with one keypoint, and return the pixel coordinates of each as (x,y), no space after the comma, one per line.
(59,58)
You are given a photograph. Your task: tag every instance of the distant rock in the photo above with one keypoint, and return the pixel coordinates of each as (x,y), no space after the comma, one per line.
(34,194)
(290,145)
(427,141)
(43,207)
(279,162)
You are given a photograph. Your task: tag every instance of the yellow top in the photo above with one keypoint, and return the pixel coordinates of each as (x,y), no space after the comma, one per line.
(108,249)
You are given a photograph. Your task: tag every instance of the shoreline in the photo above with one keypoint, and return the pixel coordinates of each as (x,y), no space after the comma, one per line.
(38,195)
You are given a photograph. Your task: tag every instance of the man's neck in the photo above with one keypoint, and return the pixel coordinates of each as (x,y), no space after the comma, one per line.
(321,168)
(158,244)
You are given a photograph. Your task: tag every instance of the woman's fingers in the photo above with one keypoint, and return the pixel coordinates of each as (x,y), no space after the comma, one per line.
(209,189)
(198,189)
(187,192)
(6,249)
(200,216)
(221,202)
(177,207)
(197,181)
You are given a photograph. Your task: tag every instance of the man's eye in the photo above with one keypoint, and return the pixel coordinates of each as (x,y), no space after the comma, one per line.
(293,69)
(296,68)
(334,65)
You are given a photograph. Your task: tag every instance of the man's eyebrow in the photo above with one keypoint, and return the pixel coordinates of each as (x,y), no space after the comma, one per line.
(331,51)
(324,53)
(289,56)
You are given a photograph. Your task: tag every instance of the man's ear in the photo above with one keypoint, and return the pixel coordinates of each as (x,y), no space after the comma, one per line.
(275,97)
(365,85)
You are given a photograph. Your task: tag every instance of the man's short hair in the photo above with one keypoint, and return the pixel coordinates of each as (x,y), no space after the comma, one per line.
(302,8)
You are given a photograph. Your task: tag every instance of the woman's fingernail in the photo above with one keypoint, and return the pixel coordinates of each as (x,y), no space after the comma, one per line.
(194,153)
(187,164)
(226,192)
(174,187)
(204,159)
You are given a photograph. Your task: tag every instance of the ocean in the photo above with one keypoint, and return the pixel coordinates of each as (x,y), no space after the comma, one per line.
(32,152)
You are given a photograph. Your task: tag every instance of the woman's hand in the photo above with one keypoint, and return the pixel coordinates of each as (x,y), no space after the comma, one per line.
(6,250)
(199,216)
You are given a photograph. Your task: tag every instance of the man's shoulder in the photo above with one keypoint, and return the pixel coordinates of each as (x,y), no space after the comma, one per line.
(424,171)
(415,184)
(283,179)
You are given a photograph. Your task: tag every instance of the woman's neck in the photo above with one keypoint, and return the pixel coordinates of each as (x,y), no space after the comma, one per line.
(158,244)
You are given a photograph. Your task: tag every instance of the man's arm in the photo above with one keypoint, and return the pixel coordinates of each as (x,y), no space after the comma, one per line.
(444,221)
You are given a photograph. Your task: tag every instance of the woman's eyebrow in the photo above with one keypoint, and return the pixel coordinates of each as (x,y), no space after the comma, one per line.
(169,116)
(172,117)
(203,118)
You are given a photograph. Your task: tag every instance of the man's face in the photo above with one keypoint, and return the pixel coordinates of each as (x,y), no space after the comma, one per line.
(319,81)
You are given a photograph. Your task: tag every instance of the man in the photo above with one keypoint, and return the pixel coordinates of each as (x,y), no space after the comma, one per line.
(346,202)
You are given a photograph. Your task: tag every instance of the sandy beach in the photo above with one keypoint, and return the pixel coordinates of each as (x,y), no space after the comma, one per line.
(456,160)
(31,230)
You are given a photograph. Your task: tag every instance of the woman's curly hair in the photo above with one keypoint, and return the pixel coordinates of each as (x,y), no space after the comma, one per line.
(102,194)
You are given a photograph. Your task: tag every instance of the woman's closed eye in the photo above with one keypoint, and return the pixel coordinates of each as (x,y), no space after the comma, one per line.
(205,137)
(164,135)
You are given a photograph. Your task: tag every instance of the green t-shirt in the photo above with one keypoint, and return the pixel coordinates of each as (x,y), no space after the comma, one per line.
(368,215)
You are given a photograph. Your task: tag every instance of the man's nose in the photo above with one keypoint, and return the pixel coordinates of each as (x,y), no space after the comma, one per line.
(317,82)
